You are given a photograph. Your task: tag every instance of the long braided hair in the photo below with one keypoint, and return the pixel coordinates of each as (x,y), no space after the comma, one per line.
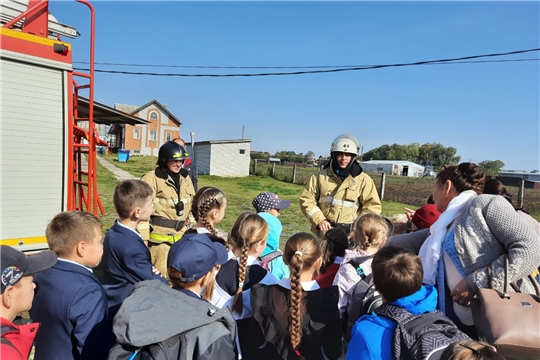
(248,230)
(208,198)
(302,251)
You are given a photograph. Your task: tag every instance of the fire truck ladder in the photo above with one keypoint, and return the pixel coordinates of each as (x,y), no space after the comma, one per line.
(84,194)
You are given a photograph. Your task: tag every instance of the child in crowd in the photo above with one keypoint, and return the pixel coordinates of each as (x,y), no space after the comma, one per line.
(334,245)
(424,217)
(180,323)
(126,259)
(70,302)
(370,234)
(294,318)
(208,209)
(399,221)
(469,349)
(247,241)
(17,294)
(268,205)
(397,274)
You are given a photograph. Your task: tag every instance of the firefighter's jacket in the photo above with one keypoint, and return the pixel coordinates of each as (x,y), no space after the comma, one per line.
(165,197)
(327,197)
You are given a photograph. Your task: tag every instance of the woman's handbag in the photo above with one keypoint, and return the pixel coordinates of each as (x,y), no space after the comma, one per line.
(509,320)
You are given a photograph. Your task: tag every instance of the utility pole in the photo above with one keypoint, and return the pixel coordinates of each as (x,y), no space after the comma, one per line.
(242,132)
(193,146)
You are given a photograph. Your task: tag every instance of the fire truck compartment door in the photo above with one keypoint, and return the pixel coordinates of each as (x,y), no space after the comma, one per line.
(32,128)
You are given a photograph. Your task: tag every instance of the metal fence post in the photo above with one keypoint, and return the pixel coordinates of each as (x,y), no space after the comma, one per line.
(294,174)
(521,191)
(383,183)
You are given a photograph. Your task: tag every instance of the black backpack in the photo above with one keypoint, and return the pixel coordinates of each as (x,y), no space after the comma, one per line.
(364,298)
(420,337)
(167,349)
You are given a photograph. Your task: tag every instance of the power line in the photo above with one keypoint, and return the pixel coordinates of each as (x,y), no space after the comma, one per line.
(459,60)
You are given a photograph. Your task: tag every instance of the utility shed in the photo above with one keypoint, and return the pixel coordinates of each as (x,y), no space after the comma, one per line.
(393,167)
(226,158)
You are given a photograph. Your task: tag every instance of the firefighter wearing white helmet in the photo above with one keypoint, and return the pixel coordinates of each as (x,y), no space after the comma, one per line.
(173,194)
(341,191)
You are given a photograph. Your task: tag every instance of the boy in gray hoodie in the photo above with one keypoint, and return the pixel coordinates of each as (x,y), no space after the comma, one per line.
(178,323)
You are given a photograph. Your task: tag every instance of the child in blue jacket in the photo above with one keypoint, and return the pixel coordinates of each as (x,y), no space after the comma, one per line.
(397,275)
(268,206)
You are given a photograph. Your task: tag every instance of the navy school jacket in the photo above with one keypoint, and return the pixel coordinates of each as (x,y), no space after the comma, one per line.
(71,306)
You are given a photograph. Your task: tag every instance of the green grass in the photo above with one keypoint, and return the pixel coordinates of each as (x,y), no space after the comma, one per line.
(106,185)
(240,193)
(136,165)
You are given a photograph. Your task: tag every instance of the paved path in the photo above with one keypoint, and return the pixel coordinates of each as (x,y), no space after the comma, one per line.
(119,173)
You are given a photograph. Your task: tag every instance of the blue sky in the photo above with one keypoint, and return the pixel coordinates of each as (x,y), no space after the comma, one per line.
(486,111)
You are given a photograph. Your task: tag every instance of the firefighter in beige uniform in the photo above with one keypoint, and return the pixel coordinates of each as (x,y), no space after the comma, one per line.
(173,192)
(341,191)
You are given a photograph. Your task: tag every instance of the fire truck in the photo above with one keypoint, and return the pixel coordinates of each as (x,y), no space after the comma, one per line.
(47,126)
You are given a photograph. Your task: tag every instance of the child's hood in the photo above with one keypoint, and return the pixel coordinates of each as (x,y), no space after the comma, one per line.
(424,300)
(154,312)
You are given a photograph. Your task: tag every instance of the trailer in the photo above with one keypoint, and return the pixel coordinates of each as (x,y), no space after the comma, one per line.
(44,132)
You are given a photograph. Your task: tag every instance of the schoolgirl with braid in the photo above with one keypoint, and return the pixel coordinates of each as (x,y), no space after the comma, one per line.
(247,241)
(208,209)
(294,318)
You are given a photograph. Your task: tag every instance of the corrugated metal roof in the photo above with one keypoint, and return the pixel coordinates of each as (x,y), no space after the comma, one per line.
(104,114)
(223,141)
(392,162)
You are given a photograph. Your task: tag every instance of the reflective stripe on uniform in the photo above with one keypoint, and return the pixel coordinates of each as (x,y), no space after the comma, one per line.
(164,238)
(313,211)
(339,202)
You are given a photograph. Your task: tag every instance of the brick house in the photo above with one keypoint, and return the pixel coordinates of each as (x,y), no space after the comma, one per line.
(163,126)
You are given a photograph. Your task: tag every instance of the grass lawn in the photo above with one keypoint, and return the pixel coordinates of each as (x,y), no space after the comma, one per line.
(240,192)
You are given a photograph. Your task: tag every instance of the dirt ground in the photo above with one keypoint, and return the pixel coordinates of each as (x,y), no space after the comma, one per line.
(416,192)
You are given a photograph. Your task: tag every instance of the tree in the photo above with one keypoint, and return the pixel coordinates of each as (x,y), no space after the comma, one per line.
(260,155)
(436,154)
(491,168)
(310,155)
(428,154)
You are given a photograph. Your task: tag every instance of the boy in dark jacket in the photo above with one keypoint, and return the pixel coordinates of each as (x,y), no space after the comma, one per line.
(70,302)
(187,326)
(17,295)
(126,259)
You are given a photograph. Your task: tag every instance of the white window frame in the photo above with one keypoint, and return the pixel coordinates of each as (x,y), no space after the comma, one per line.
(154,113)
(168,137)
(152,135)
(136,133)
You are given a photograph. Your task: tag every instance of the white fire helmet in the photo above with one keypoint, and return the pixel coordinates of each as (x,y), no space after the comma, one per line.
(346,143)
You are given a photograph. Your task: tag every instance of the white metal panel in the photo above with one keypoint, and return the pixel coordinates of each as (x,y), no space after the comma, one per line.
(32,121)
(226,159)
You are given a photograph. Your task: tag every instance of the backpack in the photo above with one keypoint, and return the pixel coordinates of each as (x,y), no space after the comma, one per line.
(167,349)
(364,298)
(264,261)
(420,337)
